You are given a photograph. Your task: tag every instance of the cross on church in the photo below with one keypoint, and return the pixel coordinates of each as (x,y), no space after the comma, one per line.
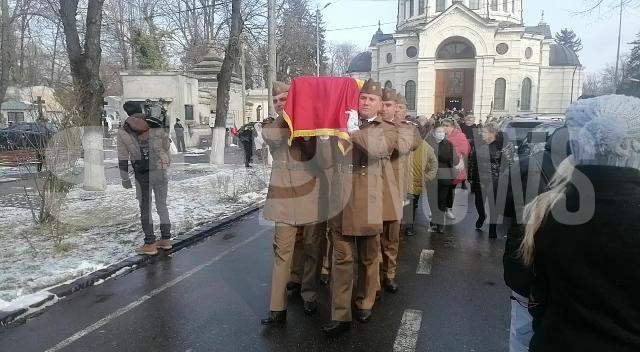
(40,103)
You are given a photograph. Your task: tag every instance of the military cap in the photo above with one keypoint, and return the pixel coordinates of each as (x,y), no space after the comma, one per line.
(372,87)
(279,88)
(389,94)
(400,99)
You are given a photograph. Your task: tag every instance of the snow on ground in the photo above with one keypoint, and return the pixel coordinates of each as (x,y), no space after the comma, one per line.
(102,228)
(23,301)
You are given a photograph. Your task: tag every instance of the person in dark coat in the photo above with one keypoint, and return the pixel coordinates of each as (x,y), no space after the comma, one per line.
(179,130)
(468,127)
(490,158)
(438,189)
(581,237)
(538,168)
(245,135)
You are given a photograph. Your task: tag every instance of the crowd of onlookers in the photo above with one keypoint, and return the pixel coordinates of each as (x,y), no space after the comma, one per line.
(571,215)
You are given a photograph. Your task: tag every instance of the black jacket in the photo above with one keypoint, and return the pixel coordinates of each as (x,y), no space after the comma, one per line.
(539,168)
(587,277)
(447,160)
(490,160)
(178,129)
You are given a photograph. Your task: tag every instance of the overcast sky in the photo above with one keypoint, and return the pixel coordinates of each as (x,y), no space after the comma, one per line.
(598,29)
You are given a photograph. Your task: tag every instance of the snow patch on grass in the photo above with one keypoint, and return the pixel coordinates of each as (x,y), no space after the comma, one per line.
(102,228)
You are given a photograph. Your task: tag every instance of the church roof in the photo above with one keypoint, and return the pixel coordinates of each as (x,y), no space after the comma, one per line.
(540,29)
(563,56)
(15,105)
(380,37)
(360,63)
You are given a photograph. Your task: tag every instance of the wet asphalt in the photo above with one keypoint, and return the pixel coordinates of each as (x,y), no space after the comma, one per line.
(211,296)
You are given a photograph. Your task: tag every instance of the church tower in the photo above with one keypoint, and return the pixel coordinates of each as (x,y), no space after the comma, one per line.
(414,13)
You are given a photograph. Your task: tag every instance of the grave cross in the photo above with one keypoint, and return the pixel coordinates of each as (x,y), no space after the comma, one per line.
(40,103)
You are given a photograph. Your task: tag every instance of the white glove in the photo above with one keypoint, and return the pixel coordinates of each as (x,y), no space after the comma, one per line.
(353,121)
(460,166)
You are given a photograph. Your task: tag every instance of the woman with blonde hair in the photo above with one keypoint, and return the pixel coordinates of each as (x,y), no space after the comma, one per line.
(582,237)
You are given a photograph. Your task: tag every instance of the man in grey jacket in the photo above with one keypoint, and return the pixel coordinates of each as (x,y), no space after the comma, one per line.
(145,143)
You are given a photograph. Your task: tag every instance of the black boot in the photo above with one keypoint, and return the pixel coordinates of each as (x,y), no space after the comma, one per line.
(310,307)
(363,315)
(390,285)
(275,318)
(493,232)
(324,279)
(336,327)
(294,288)
(480,222)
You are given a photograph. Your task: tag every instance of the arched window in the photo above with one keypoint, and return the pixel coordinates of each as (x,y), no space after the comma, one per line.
(259,113)
(440,5)
(420,7)
(525,98)
(388,84)
(456,49)
(505,6)
(499,93)
(410,94)
(474,4)
(494,5)
(411,8)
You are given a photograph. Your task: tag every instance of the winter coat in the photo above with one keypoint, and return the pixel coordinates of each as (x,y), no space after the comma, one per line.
(587,281)
(357,187)
(447,160)
(488,161)
(424,168)
(539,167)
(395,179)
(146,148)
(470,132)
(463,149)
(294,191)
(179,129)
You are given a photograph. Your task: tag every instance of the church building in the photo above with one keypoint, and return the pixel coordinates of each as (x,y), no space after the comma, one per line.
(472,54)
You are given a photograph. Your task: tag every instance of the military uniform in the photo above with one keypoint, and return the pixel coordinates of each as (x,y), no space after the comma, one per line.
(395,180)
(357,192)
(293,204)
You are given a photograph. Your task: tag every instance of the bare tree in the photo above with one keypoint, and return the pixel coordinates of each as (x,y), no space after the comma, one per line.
(224,84)
(341,55)
(84,60)
(6,46)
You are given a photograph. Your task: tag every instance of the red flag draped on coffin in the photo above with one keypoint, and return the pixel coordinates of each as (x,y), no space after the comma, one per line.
(318,106)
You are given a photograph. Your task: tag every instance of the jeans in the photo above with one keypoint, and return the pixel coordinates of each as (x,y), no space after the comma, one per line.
(248,152)
(180,144)
(521,330)
(154,182)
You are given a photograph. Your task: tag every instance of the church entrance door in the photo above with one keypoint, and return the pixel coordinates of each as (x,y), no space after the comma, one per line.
(454,89)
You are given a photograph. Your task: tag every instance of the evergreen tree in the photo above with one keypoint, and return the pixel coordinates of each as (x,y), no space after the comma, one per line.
(296,51)
(629,85)
(568,38)
(149,50)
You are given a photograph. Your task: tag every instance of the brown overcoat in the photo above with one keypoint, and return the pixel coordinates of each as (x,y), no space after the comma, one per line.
(294,189)
(396,177)
(357,183)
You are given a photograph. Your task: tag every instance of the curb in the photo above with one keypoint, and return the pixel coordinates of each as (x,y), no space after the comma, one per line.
(125,266)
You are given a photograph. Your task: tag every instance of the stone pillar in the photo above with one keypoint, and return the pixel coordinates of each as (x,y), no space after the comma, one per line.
(484,84)
(426,87)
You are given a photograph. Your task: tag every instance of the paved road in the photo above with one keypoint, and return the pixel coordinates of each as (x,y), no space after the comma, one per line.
(211,296)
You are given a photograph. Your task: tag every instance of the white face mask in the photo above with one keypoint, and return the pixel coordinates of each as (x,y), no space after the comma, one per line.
(439,135)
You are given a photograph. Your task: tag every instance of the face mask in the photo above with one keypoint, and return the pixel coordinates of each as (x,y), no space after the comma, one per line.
(440,135)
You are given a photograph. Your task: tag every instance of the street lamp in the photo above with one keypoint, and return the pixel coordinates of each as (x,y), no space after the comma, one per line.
(318,37)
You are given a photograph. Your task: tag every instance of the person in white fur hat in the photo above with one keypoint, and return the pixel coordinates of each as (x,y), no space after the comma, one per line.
(583,236)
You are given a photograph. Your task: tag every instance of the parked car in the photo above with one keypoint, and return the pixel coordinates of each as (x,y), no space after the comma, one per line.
(536,139)
(26,135)
(518,128)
